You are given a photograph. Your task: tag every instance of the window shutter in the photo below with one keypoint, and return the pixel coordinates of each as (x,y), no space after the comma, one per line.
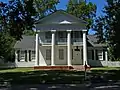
(29,55)
(103,54)
(96,54)
(18,52)
(82,53)
(92,54)
(72,54)
(26,55)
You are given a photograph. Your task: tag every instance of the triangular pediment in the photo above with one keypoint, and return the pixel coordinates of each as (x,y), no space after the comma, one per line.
(61,17)
(65,22)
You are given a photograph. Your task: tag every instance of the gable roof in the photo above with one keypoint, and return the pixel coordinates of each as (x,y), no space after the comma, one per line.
(93,40)
(60,18)
(28,42)
(61,15)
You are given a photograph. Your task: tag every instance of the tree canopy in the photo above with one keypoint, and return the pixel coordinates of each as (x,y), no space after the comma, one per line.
(82,10)
(107,27)
(45,7)
(17,17)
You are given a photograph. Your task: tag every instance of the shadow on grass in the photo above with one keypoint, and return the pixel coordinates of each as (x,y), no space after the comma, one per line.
(59,77)
(43,77)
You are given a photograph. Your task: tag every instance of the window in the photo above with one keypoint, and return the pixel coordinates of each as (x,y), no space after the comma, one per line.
(90,54)
(77,34)
(33,55)
(48,54)
(100,54)
(48,35)
(62,34)
(22,54)
(61,54)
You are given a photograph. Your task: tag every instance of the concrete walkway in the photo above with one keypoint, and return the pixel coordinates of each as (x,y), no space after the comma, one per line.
(95,86)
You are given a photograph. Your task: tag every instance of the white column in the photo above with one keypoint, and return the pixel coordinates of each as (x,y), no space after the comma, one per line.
(84,47)
(53,48)
(106,58)
(37,50)
(27,55)
(16,56)
(94,54)
(69,47)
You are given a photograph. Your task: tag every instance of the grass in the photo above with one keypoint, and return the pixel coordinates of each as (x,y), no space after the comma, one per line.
(31,76)
(106,68)
(16,70)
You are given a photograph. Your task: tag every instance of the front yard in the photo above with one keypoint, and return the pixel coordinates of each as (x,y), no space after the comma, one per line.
(31,76)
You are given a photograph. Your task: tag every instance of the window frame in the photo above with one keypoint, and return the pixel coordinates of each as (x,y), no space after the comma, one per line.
(32,55)
(48,54)
(22,55)
(61,51)
(48,35)
(90,55)
(100,54)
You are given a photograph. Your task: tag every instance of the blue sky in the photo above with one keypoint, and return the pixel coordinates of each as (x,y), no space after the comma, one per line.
(100,4)
(62,5)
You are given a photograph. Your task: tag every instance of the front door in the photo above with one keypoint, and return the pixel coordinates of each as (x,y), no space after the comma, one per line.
(77,59)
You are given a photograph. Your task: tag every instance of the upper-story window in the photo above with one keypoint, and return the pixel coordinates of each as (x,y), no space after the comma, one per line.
(77,34)
(48,35)
(62,34)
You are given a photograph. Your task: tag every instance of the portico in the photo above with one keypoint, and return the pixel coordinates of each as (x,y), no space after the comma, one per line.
(68,45)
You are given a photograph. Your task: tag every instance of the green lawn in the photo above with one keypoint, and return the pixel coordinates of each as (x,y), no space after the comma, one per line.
(16,70)
(106,68)
(31,76)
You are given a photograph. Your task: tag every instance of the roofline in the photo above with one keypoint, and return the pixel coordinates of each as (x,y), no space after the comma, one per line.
(63,11)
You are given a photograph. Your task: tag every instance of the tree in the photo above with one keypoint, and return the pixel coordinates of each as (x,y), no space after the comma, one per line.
(99,28)
(110,23)
(45,7)
(6,46)
(17,16)
(82,10)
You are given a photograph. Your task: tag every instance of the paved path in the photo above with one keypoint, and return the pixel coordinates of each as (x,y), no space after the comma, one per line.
(97,86)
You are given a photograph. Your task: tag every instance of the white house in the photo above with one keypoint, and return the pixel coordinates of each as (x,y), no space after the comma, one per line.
(60,40)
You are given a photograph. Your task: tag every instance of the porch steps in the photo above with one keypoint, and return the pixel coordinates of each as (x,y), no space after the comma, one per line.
(77,67)
(81,68)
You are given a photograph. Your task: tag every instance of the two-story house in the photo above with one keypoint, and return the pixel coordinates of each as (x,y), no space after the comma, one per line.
(61,40)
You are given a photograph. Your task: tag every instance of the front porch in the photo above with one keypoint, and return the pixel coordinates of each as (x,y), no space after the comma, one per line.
(53,51)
